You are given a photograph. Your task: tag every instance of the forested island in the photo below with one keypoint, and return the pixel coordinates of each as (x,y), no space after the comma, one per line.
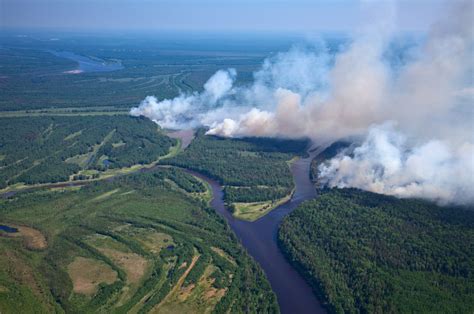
(253,171)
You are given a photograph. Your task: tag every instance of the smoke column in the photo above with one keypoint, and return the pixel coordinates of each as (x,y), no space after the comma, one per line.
(414,120)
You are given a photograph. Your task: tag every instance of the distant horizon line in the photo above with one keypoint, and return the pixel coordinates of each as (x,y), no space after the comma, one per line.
(256,33)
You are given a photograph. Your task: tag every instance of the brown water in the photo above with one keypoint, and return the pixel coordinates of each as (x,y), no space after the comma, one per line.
(260,239)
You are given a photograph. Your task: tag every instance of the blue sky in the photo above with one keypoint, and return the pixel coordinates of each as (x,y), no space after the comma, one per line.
(209,15)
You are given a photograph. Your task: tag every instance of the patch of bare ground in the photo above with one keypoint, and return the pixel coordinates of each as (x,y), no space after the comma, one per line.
(211,294)
(136,308)
(223,254)
(133,264)
(156,241)
(87,274)
(185,292)
(33,239)
(200,297)
(177,287)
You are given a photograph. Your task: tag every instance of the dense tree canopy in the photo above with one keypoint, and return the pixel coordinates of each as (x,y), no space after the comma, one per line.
(50,149)
(364,252)
(251,169)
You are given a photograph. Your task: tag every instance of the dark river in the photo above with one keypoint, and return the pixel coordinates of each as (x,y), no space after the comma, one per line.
(260,239)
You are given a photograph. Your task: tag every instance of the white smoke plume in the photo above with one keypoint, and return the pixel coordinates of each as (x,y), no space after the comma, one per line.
(181,112)
(427,149)
(386,163)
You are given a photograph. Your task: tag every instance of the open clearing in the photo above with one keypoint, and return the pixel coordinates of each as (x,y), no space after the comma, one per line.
(134,265)
(174,293)
(87,274)
(156,241)
(33,239)
(254,211)
(194,298)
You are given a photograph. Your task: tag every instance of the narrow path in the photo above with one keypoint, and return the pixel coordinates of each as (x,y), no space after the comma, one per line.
(178,284)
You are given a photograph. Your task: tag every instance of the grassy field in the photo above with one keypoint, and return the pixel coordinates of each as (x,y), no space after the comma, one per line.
(141,243)
(254,211)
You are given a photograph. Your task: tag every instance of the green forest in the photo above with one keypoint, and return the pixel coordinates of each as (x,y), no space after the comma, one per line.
(140,243)
(52,149)
(250,169)
(33,78)
(369,253)
(99,213)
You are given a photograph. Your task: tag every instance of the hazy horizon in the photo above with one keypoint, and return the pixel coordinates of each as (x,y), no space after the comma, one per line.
(265,16)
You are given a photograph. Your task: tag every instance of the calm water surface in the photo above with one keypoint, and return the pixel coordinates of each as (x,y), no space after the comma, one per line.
(8,229)
(87,64)
(260,239)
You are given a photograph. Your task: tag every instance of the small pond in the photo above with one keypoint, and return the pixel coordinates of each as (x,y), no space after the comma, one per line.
(8,229)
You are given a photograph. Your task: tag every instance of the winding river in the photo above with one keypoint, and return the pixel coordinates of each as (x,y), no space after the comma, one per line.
(88,64)
(260,239)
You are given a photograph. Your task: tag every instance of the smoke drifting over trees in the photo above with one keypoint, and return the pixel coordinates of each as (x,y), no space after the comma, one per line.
(414,120)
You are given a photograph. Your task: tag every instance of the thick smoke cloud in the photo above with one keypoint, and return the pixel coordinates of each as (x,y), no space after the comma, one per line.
(385,163)
(425,151)
(182,111)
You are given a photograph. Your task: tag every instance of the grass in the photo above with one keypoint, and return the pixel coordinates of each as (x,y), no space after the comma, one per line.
(252,211)
(223,254)
(87,274)
(156,241)
(105,195)
(32,238)
(173,294)
(73,135)
(119,246)
(256,210)
(80,160)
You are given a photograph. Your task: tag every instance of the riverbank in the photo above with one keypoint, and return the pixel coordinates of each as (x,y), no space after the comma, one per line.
(294,294)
